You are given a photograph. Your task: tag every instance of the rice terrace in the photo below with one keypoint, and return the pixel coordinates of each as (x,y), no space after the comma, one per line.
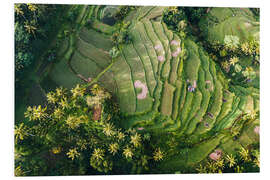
(136,90)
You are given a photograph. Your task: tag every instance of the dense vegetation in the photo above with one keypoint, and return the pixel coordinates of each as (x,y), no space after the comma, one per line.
(35,24)
(246,160)
(132,90)
(76,129)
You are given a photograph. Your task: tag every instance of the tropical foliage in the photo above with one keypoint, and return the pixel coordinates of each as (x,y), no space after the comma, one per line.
(243,161)
(33,24)
(137,90)
(67,131)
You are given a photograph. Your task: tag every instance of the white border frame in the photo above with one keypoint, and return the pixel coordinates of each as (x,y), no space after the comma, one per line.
(7,78)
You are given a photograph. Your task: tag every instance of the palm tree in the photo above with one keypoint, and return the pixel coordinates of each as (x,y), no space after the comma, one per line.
(244,153)
(201,169)
(20,132)
(18,171)
(30,28)
(234,60)
(173,9)
(256,162)
(73,153)
(136,139)
(128,152)
(212,167)
(98,154)
(113,148)
(32,7)
(220,164)
(231,160)
(158,155)
(18,10)
(108,129)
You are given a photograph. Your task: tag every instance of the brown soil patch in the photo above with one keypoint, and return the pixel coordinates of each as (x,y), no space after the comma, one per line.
(96,113)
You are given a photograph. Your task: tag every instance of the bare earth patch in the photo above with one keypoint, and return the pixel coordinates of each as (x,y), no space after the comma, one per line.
(96,113)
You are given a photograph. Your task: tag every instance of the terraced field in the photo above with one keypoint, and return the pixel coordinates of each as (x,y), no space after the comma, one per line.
(230,21)
(158,88)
